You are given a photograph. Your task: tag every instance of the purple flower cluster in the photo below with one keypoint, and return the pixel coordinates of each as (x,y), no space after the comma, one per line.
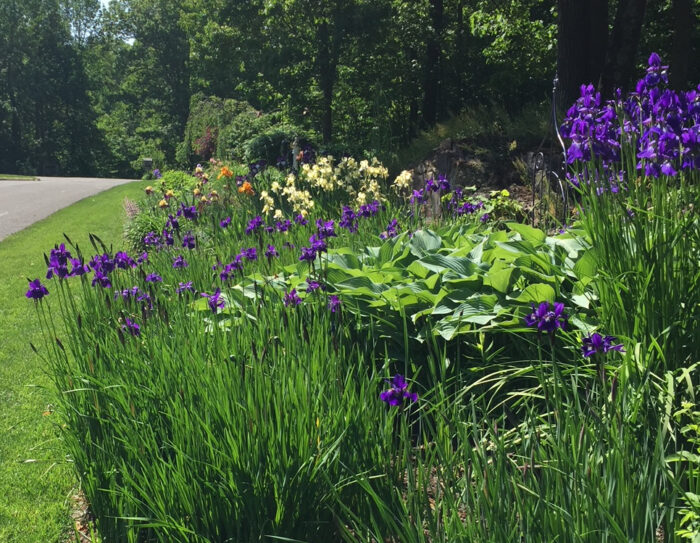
(184,287)
(392,230)
(398,392)
(254,225)
(179,262)
(334,303)
(57,264)
(546,318)
(291,298)
(271,252)
(595,343)
(131,327)
(661,124)
(325,229)
(188,212)
(188,241)
(214,300)
(36,290)
(442,184)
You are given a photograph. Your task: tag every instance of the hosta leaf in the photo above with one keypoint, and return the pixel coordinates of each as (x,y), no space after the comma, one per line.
(499,277)
(527,232)
(417,269)
(438,263)
(363,283)
(425,241)
(586,266)
(537,292)
(344,260)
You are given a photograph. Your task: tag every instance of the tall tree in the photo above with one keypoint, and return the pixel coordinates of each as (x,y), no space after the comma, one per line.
(582,35)
(624,45)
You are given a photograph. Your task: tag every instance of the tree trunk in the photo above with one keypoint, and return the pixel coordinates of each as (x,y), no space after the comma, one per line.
(582,36)
(624,44)
(680,56)
(326,81)
(432,83)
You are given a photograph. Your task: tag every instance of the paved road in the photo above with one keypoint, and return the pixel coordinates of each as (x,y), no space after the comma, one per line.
(23,203)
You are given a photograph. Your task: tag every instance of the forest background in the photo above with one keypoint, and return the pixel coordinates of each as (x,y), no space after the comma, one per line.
(90,88)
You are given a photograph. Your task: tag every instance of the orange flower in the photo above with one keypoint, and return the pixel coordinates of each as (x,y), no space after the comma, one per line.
(225,172)
(247,188)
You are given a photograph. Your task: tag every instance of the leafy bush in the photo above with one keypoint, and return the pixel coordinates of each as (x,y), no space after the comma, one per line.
(230,129)
(136,227)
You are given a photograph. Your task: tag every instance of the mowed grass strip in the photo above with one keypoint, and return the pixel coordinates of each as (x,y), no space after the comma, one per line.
(36,478)
(12,177)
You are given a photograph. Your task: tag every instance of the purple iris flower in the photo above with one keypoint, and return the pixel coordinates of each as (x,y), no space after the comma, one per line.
(300,220)
(271,252)
(318,243)
(291,298)
(184,287)
(179,262)
(123,261)
(58,262)
(254,224)
(418,196)
(312,286)
(250,254)
(348,220)
(36,290)
(308,254)
(234,265)
(595,343)
(188,241)
(188,212)
(225,222)
(167,238)
(172,222)
(127,293)
(214,300)
(398,391)
(391,231)
(79,267)
(151,239)
(157,174)
(546,319)
(131,327)
(326,229)
(100,278)
(334,303)
(283,226)
(154,278)
(485,217)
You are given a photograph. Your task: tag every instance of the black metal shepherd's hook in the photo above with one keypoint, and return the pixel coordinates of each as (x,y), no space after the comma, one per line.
(562,189)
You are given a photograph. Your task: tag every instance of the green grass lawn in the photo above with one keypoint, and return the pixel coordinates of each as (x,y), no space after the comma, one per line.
(36,480)
(12,177)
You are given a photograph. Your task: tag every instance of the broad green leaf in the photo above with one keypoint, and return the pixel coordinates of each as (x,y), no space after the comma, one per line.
(537,292)
(363,283)
(527,232)
(425,241)
(346,260)
(417,269)
(438,263)
(499,277)
(586,266)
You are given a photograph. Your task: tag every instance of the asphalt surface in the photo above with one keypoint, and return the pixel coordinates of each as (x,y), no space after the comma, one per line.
(23,203)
